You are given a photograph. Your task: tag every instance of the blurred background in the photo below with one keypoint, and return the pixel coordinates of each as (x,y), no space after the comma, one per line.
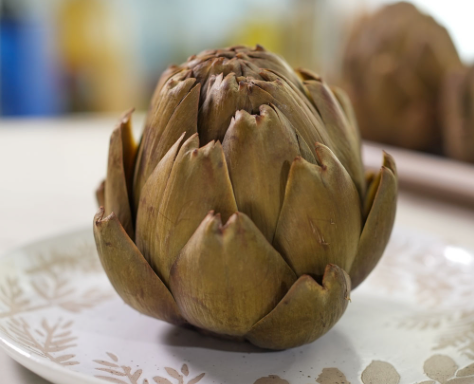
(65,56)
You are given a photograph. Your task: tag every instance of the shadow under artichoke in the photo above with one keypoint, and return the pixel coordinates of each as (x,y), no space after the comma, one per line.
(302,361)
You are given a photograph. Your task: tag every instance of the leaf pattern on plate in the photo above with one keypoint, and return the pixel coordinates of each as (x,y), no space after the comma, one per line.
(12,296)
(442,288)
(123,374)
(466,371)
(440,368)
(81,259)
(380,372)
(332,376)
(116,370)
(48,283)
(179,379)
(45,341)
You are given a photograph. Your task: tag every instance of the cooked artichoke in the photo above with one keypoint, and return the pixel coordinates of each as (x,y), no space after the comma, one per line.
(458,116)
(244,211)
(393,68)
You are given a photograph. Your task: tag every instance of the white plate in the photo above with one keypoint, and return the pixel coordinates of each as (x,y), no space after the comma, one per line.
(412,321)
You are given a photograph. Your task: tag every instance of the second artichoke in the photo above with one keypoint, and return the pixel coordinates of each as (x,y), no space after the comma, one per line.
(458,114)
(394,66)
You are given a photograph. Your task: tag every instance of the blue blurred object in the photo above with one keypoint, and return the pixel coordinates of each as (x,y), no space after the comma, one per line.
(29,78)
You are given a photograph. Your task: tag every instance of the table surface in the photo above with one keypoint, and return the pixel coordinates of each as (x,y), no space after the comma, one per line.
(50,169)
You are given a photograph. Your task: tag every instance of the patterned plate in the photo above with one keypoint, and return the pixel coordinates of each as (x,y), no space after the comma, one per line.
(411,322)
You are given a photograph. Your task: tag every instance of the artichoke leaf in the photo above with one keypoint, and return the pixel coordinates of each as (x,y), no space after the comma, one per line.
(306,312)
(122,152)
(223,98)
(381,204)
(320,220)
(228,277)
(199,182)
(130,274)
(183,120)
(259,151)
(227,95)
(165,76)
(100,194)
(173,110)
(346,106)
(268,60)
(150,202)
(296,108)
(345,140)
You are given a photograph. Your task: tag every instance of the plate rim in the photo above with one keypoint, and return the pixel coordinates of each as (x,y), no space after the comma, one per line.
(17,353)
(38,365)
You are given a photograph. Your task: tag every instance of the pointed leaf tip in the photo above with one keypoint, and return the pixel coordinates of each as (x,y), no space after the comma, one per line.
(389,162)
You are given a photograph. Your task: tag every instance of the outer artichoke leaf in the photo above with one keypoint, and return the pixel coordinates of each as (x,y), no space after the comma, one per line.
(259,151)
(162,110)
(307,74)
(382,197)
(296,108)
(228,277)
(306,312)
(183,120)
(199,182)
(225,96)
(346,106)
(150,202)
(320,220)
(269,60)
(306,152)
(200,71)
(165,76)
(122,152)
(222,100)
(256,94)
(389,162)
(100,194)
(346,143)
(271,75)
(130,274)
(248,69)
(210,68)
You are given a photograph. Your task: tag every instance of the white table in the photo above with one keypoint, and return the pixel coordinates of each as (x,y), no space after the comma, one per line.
(49,170)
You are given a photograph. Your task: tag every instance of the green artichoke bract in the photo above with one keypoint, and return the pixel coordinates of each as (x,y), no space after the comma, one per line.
(394,65)
(244,211)
(458,116)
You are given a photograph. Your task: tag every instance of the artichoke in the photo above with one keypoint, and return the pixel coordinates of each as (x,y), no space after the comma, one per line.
(458,116)
(393,70)
(245,211)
